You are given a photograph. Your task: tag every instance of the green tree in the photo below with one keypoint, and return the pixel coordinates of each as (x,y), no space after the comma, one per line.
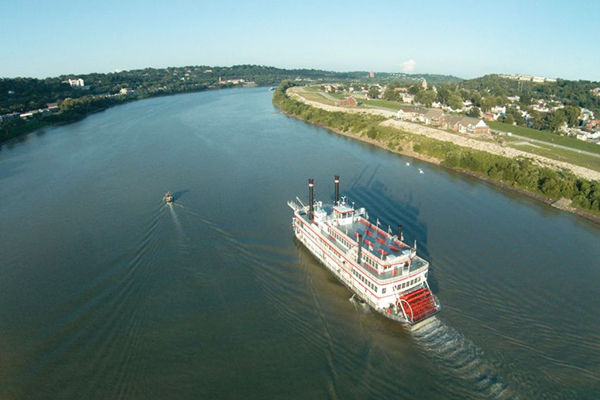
(426,97)
(442,95)
(572,115)
(474,112)
(509,119)
(373,92)
(390,94)
(414,89)
(554,121)
(455,101)
(525,100)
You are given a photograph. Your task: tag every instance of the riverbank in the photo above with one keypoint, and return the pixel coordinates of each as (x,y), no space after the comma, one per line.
(84,107)
(78,109)
(556,187)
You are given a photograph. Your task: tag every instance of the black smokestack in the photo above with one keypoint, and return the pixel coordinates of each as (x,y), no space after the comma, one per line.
(336,180)
(400,232)
(359,256)
(311,198)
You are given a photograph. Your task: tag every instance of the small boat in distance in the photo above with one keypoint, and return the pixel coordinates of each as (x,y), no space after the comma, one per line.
(168,197)
(421,171)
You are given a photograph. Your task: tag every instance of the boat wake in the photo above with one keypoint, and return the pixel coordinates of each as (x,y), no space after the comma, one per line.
(175,218)
(462,357)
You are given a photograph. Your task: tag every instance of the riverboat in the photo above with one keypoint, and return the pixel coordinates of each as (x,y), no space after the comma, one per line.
(168,197)
(376,266)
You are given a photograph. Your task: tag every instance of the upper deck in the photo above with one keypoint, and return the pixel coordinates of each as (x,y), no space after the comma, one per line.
(384,256)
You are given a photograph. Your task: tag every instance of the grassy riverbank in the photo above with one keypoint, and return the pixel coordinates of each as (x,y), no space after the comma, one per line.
(520,174)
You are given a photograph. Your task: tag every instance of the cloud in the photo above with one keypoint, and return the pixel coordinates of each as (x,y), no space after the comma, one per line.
(409,66)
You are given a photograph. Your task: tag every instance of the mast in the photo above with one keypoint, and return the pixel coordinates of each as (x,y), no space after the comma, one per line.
(311,199)
(336,180)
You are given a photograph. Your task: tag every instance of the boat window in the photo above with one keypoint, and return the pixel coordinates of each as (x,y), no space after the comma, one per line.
(383,290)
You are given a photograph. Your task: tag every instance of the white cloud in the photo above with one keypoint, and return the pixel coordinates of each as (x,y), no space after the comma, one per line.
(409,66)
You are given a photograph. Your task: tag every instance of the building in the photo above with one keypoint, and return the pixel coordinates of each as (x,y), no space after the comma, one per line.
(371,74)
(408,98)
(127,91)
(411,114)
(433,117)
(76,82)
(488,116)
(424,84)
(232,81)
(465,124)
(481,128)
(349,101)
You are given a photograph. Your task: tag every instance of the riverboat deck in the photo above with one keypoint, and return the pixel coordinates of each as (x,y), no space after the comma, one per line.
(378,244)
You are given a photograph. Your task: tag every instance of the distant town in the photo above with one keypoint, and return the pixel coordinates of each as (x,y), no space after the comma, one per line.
(466,110)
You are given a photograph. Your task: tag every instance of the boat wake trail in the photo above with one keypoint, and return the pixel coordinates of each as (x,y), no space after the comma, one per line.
(462,357)
(175,218)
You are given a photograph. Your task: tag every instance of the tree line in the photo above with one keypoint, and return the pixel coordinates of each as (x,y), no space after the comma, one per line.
(520,173)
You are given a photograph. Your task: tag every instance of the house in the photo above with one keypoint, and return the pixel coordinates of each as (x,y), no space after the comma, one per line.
(450,121)
(498,110)
(424,84)
(403,89)
(433,117)
(232,81)
(465,125)
(411,114)
(488,116)
(481,128)
(126,91)
(349,101)
(408,98)
(76,82)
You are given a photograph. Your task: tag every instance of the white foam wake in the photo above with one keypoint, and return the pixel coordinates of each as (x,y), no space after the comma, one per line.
(461,356)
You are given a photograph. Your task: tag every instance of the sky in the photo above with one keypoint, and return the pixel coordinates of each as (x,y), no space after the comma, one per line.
(461,38)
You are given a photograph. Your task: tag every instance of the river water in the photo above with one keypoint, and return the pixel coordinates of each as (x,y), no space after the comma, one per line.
(107,293)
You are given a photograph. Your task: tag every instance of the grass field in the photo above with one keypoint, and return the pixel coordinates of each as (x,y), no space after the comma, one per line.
(313,96)
(390,105)
(312,89)
(545,136)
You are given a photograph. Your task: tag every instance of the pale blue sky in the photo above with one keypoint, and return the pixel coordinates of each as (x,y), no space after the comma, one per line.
(462,38)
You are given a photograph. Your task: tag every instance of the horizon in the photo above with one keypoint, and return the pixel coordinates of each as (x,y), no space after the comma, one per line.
(461,39)
(414,74)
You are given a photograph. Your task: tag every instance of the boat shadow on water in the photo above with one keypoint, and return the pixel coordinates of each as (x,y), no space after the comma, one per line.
(179,194)
(391,211)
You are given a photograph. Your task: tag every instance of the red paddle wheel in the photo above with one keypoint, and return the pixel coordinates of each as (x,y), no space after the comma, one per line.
(418,304)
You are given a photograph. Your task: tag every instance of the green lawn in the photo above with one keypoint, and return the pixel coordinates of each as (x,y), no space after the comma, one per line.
(392,105)
(316,97)
(545,136)
(312,89)
(554,153)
